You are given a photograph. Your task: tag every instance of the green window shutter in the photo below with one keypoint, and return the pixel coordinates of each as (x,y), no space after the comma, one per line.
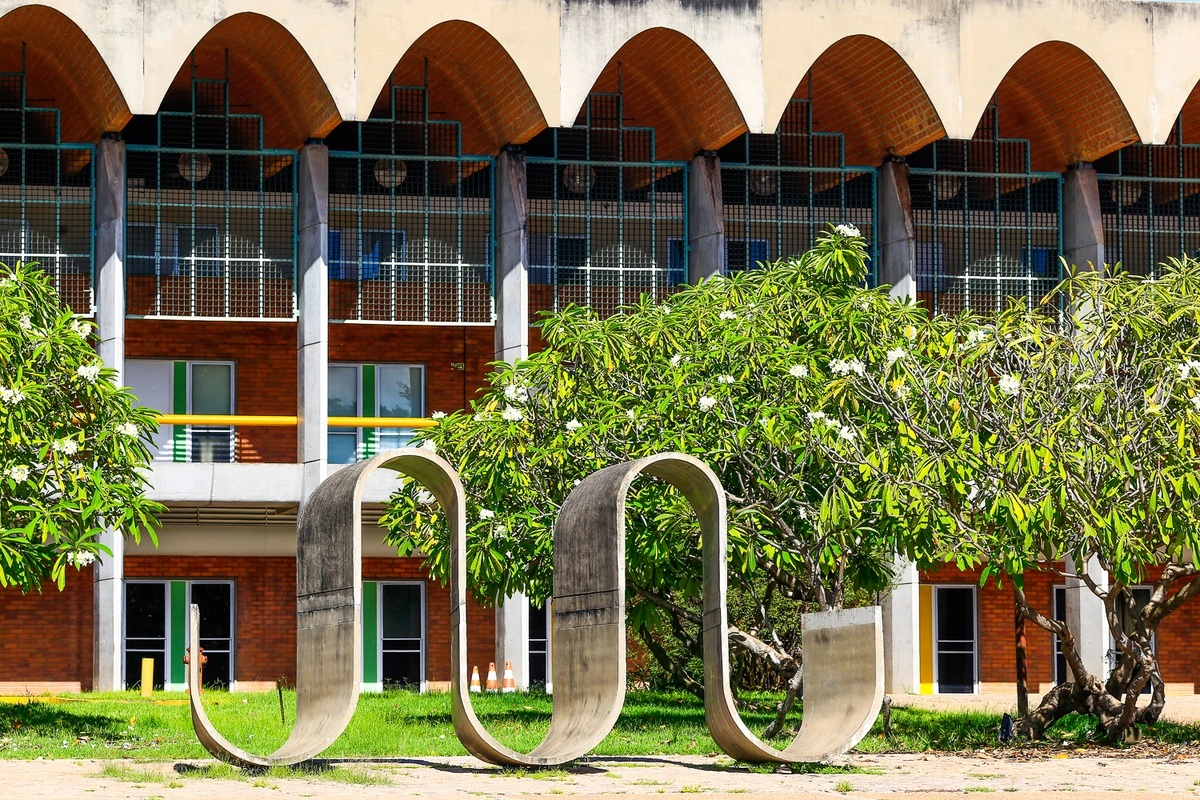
(179,403)
(368,409)
(370,632)
(179,624)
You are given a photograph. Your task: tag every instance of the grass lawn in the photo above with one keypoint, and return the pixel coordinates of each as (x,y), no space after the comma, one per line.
(405,724)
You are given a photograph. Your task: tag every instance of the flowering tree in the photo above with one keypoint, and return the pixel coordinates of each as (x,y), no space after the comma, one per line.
(746,373)
(1050,442)
(72,445)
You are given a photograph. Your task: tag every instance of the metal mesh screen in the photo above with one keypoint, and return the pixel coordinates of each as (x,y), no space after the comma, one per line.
(210,216)
(410,222)
(781,190)
(607,222)
(1150,204)
(988,228)
(46,196)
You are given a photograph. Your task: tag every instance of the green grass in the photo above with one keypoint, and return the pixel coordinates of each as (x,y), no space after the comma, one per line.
(843,787)
(404,724)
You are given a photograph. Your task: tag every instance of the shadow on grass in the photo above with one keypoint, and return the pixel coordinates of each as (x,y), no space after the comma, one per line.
(45,718)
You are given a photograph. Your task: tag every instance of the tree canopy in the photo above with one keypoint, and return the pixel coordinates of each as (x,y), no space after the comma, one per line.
(73,446)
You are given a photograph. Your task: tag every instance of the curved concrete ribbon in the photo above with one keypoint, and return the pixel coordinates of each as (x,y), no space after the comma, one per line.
(329,606)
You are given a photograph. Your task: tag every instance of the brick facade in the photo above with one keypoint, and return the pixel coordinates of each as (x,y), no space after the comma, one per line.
(46,636)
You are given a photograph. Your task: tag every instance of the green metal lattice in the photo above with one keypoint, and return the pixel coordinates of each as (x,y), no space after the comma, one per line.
(988,227)
(1150,203)
(47,195)
(781,190)
(607,220)
(210,215)
(410,221)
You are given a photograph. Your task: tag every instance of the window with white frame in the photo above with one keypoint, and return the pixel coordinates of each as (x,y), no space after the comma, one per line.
(373,390)
(539,644)
(187,387)
(402,635)
(156,629)
(956,639)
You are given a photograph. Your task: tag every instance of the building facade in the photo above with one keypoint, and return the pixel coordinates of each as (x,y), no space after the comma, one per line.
(346,211)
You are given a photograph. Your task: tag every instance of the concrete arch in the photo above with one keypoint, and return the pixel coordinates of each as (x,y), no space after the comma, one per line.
(525,33)
(1059,99)
(472,80)
(64,70)
(862,88)
(669,83)
(270,73)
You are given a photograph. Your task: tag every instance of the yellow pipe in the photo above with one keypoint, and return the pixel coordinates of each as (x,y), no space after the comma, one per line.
(265,421)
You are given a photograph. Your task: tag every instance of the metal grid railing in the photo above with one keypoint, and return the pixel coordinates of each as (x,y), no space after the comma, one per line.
(781,190)
(210,216)
(410,221)
(1150,204)
(47,192)
(607,221)
(988,228)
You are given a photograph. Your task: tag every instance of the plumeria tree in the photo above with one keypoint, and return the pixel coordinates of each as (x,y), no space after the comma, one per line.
(1059,441)
(748,374)
(73,447)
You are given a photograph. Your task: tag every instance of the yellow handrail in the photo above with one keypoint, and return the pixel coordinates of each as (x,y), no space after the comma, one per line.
(269,421)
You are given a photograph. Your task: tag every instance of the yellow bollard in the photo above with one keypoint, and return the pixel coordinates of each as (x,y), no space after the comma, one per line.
(147,676)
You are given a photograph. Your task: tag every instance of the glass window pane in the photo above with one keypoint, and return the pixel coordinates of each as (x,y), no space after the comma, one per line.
(343,446)
(401,611)
(401,669)
(212,389)
(401,391)
(216,609)
(343,391)
(145,611)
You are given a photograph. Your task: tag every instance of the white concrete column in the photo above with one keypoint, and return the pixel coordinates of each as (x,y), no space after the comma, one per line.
(312,296)
(512,343)
(108,573)
(706,218)
(1087,620)
(1083,228)
(902,632)
(512,257)
(896,236)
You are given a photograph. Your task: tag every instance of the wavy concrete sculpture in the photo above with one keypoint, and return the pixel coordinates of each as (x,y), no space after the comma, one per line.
(329,607)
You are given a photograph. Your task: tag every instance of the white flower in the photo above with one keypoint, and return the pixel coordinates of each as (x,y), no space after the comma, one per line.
(798,371)
(847,433)
(127,429)
(848,230)
(438,415)
(842,367)
(675,359)
(512,414)
(7,282)
(89,372)
(480,417)
(727,315)
(802,512)
(486,513)
(976,336)
(428,446)
(1191,366)
(666,309)
(818,416)
(972,492)
(1196,402)
(516,393)
(1010,384)
(19,473)
(26,323)
(68,447)
(81,327)
(631,414)
(573,425)
(81,558)
(500,530)
(726,379)
(910,332)
(895,354)
(11,396)
(707,403)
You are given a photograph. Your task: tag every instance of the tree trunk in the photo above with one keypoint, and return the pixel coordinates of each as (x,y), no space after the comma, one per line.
(1022,665)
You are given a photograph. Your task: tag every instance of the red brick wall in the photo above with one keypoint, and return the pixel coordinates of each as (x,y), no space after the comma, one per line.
(996,620)
(266,609)
(1178,656)
(264,356)
(47,636)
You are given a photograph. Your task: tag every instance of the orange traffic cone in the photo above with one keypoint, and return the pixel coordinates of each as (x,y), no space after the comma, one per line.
(475,688)
(510,683)
(492,683)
